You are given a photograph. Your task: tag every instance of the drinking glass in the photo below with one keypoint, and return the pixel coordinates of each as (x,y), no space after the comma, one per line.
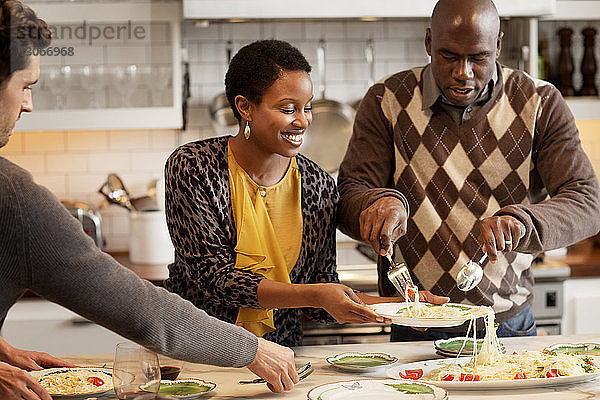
(136,372)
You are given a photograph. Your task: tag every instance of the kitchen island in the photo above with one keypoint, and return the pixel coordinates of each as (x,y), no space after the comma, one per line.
(228,388)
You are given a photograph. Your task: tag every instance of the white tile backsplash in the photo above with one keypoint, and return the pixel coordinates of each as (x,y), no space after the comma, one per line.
(87,140)
(58,163)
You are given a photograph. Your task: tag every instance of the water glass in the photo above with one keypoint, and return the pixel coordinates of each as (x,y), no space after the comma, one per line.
(136,372)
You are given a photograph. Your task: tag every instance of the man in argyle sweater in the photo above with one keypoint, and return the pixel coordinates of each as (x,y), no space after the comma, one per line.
(465,156)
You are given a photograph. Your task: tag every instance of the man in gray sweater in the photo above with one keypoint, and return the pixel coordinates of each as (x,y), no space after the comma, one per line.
(44,249)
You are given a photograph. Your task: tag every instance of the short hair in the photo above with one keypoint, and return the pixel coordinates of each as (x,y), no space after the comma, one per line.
(20,30)
(257,66)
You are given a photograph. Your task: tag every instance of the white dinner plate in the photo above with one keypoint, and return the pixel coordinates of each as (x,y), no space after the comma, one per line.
(361,362)
(380,389)
(392,311)
(50,371)
(430,365)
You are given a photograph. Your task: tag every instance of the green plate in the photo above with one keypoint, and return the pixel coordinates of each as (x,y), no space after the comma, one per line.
(361,361)
(588,349)
(188,388)
(453,345)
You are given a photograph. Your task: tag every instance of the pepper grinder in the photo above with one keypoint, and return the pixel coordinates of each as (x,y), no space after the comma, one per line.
(588,64)
(565,63)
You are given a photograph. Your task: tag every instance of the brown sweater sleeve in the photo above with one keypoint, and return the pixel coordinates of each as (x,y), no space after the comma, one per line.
(367,171)
(564,170)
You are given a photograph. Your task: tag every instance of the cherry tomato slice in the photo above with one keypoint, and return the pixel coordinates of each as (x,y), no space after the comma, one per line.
(412,374)
(469,377)
(553,373)
(520,375)
(448,377)
(94,380)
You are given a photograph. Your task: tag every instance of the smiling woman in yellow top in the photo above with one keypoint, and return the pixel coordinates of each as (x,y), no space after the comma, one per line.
(252,221)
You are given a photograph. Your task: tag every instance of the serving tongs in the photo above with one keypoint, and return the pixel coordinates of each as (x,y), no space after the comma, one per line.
(399,275)
(303,372)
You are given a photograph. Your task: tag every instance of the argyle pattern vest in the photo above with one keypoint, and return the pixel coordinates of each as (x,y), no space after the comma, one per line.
(454,175)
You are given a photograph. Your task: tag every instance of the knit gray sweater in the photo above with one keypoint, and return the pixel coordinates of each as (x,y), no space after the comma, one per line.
(43,248)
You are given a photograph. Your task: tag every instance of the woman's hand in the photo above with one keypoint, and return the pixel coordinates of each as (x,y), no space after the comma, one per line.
(344,305)
(17,384)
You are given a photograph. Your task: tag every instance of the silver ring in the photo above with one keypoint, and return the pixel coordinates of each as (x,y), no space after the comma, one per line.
(508,242)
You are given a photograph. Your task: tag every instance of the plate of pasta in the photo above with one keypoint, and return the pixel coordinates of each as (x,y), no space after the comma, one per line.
(426,315)
(512,371)
(74,383)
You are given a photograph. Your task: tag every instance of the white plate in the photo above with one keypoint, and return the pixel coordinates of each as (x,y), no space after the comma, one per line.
(369,389)
(429,365)
(49,371)
(391,311)
(360,361)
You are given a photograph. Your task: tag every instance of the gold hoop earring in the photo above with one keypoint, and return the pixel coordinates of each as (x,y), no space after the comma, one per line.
(247,130)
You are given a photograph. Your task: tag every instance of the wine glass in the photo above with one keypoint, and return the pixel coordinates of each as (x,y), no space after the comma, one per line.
(125,80)
(59,80)
(93,80)
(136,372)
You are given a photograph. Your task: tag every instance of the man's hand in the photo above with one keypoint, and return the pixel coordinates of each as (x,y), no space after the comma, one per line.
(275,364)
(32,360)
(344,305)
(16,384)
(501,233)
(383,223)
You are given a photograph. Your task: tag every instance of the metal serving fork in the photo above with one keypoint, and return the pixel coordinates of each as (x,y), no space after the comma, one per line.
(399,275)
(303,372)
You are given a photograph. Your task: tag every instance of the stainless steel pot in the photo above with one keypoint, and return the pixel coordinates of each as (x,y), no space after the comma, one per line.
(221,114)
(327,137)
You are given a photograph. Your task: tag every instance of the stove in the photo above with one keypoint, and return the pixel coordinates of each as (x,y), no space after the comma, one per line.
(548,294)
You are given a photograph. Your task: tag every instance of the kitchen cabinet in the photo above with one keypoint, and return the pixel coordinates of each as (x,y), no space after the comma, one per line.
(261,9)
(111,65)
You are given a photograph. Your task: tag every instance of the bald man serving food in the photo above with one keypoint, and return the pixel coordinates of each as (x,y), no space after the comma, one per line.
(462,157)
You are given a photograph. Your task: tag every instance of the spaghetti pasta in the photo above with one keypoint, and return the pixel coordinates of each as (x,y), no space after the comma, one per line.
(76,381)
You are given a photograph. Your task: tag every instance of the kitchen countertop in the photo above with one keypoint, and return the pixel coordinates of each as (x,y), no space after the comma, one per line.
(228,388)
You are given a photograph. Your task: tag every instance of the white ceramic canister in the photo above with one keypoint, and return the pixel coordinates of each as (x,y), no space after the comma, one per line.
(149,240)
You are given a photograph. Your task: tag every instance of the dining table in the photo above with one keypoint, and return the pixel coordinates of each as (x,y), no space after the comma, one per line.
(227,386)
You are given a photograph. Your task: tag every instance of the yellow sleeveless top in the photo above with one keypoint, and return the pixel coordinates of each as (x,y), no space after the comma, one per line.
(268,221)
